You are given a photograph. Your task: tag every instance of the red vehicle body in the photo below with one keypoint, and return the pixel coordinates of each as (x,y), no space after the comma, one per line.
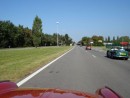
(88,47)
(11,90)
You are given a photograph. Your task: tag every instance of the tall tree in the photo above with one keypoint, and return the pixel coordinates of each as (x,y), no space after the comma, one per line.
(106,40)
(109,39)
(113,39)
(37,31)
(68,40)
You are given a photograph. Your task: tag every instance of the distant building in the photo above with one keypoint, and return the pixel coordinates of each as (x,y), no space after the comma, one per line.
(107,44)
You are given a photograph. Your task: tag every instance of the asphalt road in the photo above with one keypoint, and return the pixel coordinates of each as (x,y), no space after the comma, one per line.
(85,71)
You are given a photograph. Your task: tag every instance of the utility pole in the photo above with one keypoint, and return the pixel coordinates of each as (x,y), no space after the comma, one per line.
(57,33)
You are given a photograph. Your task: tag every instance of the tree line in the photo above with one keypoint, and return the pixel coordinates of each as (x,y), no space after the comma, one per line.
(20,36)
(117,40)
(100,40)
(95,40)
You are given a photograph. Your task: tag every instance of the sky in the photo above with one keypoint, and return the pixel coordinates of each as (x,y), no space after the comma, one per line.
(77,18)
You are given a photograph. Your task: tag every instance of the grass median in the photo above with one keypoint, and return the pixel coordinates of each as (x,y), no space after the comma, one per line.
(15,64)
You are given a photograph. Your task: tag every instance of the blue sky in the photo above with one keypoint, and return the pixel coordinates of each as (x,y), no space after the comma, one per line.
(77,18)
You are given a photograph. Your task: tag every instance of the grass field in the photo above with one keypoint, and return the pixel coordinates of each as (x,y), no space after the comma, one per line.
(15,64)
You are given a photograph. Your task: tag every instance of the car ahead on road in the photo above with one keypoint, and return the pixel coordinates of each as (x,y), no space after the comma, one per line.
(117,52)
(11,90)
(88,47)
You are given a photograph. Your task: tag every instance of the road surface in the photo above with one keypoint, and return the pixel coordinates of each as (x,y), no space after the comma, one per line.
(85,71)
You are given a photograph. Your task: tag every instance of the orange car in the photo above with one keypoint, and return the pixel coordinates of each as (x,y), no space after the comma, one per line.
(11,90)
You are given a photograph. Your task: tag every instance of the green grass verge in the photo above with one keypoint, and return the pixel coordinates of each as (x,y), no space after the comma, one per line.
(15,64)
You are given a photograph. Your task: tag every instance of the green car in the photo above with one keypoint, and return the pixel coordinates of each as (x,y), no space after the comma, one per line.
(117,52)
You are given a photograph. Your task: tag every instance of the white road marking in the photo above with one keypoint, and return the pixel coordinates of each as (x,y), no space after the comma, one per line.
(38,71)
(94,56)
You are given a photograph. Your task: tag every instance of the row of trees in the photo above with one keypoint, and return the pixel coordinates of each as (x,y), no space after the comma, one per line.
(100,40)
(116,40)
(95,40)
(19,36)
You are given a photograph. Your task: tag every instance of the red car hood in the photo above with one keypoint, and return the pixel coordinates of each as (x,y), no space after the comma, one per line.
(46,93)
(11,90)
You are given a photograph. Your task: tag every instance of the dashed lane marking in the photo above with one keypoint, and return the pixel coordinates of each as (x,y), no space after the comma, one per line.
(94,56)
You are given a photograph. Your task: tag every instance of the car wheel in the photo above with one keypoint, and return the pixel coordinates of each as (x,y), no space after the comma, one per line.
(107,54)
(126,58)
(112,57)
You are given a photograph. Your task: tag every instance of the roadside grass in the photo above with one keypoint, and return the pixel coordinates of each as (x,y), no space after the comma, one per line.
(15,64)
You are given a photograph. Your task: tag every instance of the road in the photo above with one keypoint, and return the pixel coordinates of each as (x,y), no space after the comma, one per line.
(85,71)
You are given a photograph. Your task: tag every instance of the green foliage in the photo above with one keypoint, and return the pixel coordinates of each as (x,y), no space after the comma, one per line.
(68,40)
(86,40)
(37,31)
(36,41)
(19,36)
(14,36)
(7,30)
(51,40)
(37,26)
(97,40)
(109,39)
(116,42)
(124,39)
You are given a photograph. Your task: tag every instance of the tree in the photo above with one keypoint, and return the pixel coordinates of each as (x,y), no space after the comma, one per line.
(68,40)
(86,40)
(114,39)
(20,36)
(37,31)
(100,40)
(28,37)
(14,36)
(7,32)
(106,40)
(124,39)
(95,40)
(109,39)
